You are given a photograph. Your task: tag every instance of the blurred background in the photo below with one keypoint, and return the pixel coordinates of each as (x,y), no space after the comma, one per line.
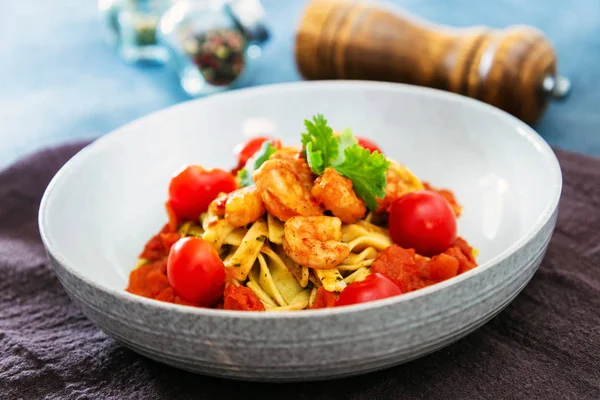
(61,80)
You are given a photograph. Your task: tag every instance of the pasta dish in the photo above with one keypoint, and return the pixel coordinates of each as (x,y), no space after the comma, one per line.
(330,222)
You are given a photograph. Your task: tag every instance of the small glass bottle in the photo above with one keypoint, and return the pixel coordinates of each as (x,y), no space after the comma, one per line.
(138,23)
(210,42)
(132,25)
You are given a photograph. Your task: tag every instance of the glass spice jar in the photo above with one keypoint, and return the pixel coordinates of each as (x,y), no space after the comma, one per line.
(132,25)
(210,42)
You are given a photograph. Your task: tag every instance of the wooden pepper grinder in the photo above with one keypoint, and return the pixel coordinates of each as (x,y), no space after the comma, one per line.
(513,69)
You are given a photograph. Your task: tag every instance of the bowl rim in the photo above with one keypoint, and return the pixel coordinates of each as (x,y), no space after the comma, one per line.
(100,143)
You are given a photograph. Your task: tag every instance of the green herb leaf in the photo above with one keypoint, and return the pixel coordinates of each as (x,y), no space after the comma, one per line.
(346,139)
(314,159)
(367,171)
(263,154)
(322,146)
(245,177)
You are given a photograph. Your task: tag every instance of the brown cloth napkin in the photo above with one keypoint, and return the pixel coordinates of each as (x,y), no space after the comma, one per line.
(545,345)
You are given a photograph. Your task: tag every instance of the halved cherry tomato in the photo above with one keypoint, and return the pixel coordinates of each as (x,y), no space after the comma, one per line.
(368,144)
(422,220)
(244,151)
(193,188)
(195,272)
(373,287)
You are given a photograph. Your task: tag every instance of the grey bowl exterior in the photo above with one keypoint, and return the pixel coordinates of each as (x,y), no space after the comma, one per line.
(319,345)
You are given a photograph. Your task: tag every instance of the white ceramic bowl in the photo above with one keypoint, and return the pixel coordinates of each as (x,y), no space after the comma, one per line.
(107,201)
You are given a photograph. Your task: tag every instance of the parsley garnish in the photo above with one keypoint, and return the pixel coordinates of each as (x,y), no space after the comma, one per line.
(322,146)
(245,177)
(263,154)
(366,170)
(315,159)
(346,140)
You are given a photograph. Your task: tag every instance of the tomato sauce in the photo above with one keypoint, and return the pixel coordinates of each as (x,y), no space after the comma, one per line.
(150,280)
(324,299)
(411,271)
(159,245)
(241,298)
(448,195)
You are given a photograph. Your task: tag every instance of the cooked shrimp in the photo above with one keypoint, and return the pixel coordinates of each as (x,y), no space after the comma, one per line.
(315,241)
(217,206)
(244,206)
(400,180)
(286,153)
(297,162)
(337,195)
(282,191)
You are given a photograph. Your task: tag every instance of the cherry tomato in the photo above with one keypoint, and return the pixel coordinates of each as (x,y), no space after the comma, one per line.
(424,221)
(192,190)
(245,150)
(368,144)
(373,287)
(195,272)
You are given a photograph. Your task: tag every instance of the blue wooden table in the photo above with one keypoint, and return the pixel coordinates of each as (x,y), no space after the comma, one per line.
(59,81)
